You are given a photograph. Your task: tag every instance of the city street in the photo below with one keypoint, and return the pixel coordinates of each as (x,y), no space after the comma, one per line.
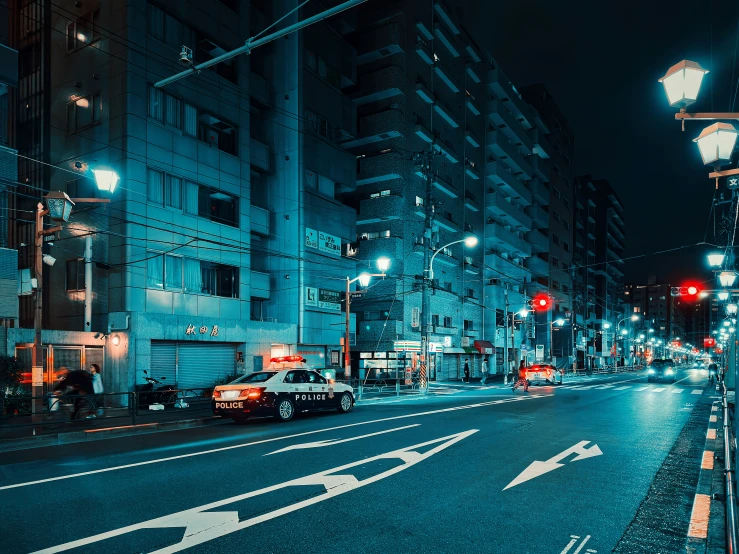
(562,470)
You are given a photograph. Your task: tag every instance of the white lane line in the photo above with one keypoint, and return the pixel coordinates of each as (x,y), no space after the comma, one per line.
(579,548)
(331,442)
(659,389)
(683,379)
(573,540)
(623,388)
(641,389)
(698,392)
(264,441)
(677,391)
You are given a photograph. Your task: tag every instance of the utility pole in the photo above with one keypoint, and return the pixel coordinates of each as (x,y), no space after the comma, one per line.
(88,283)
(427,234)
(505,336)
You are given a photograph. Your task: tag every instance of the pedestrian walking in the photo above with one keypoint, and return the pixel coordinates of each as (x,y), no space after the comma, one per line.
(466,370)
(97,388)
(484,370)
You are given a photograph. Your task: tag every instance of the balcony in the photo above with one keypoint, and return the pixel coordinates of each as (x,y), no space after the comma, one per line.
(258,156)
(446,151)
(260,287)
(507,212)
(501,268)
(539,216)
(470,202)
(472,171)
(535,287)
(259,220)
(471,267)
(445,223)
(472,106)
(445,16)
(424,133)
(501,87)
(378,127)
(539,191)
(443,184)
(472,139)
(540,167)
(392,247)
(504,120)
(445,113)
(539,267)
(501,240)
(446,77)
(379,169)
(542,146)
(441,258)
(258,88)
(424,52)
(501,176)
(439,330)
(425,94)
(379,43)
(474,56)
(378,85)
(376,210)
(472,73)
(504,151)
(446,40)
(539,241)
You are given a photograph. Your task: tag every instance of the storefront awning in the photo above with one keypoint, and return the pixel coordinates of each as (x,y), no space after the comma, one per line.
(484,347)
(453,350)
(470,350)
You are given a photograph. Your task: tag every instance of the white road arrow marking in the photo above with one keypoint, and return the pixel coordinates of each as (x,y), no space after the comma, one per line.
(537,468)
(331,442)
(202,525)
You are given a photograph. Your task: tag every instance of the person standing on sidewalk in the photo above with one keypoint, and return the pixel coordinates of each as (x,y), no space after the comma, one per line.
(97,387)
(484,370)
(466,370)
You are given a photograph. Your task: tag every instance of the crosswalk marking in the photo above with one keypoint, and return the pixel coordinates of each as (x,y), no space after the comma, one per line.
(641,389)
(623,388)
(677,391)
(660,389)
(699,391)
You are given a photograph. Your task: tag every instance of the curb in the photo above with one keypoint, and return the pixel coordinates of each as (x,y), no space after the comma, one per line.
(41,441)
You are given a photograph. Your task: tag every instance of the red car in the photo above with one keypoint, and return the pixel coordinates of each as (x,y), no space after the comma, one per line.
(544,373)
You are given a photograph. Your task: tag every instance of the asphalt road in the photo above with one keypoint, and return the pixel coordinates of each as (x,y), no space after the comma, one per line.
(453,473)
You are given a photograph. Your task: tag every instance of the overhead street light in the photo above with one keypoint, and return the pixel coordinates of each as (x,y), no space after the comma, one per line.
(716,143)
(682,83)
(715,259)
(731,309)
(727,278)
(106,179)
(723,295)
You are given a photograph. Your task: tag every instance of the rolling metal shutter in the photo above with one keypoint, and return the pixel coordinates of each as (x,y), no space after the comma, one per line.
(201,364)
(163,363)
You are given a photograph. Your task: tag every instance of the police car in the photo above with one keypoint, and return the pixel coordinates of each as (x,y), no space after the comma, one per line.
(287,386)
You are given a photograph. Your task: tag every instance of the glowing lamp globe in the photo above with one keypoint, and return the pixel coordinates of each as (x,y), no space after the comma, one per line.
(364,279)
(716,142)
(682,83)
(727,278)
(723,295)
(106,179)
(731,309)
(715,259)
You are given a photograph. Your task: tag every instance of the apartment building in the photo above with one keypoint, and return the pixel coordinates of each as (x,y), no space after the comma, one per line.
(226,219)
(555,220)
(659,311)
(599,246)
(427,91)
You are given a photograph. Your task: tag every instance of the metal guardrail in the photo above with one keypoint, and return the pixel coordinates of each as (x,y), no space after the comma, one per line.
(729,475)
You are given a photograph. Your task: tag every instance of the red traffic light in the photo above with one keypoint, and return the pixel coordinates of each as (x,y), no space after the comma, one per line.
(542,302)
(692,290)
(709,342)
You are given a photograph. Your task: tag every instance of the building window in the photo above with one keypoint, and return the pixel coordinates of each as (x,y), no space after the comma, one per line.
(566,203)
(311,179)
(566,246)
(375,235)
(172,112)
(164,271)
(555,238)
(75,275)
(218,133)
(556,216)
(419,201)
(555,262)
(84,30)
(211,203)
(566,224)
(469,293)
(469,325)
(84,112)
(555,285)
(164,189)
(379,194)
(319,125)
(447,321)
(219,280)
(557,194)
(565,288)
(636,309)
(435,320)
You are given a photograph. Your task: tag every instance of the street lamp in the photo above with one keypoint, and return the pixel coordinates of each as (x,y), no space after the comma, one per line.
(716,143)
(106,179)
(715,259)
(383,264)
(731,309)
(727,278)
(59,206)
(470,242)
(723,295)
(682,83)
(606,325)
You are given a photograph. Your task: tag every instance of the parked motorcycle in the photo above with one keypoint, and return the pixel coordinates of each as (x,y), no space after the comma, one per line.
(162,394)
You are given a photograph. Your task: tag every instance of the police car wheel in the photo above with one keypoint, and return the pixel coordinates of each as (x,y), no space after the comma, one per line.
(345,403)
(285,409)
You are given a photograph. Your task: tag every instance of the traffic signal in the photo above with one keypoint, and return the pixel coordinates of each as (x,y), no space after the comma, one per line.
(688,291)
(541,302)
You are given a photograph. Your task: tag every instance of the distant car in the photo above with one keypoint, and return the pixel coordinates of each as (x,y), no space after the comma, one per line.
(543,373)
(288,386)
(662,369)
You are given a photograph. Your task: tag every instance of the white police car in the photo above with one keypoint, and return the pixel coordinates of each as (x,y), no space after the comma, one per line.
(287,386)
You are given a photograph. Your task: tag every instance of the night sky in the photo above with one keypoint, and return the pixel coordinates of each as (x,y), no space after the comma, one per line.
(601,64)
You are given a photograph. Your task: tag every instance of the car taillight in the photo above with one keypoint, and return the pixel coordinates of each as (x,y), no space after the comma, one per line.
(255,393)
(216,394)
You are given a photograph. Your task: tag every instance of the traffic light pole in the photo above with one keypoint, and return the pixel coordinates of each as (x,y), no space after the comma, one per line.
(505,337)
(425,310)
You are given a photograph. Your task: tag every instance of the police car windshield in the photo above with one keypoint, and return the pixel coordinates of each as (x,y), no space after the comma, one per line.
(258,377)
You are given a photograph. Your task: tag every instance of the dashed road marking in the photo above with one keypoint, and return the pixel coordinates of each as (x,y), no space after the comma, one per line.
(699,518)
(707,462)
(659,389)
(677,391)
(699,391)
(640,389)
(623,388)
